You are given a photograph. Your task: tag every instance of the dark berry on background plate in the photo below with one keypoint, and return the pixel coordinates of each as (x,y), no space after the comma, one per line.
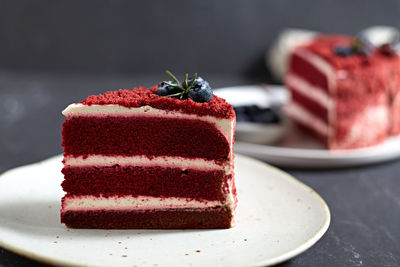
(241,113)
(266,116)
(165,89)
(200,91)
(256,114)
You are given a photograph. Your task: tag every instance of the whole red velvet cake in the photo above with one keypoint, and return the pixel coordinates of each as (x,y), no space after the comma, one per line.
(346,96)
(138,159)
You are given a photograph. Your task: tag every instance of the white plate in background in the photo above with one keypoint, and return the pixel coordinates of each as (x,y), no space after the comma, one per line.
(286,146)
(277,218)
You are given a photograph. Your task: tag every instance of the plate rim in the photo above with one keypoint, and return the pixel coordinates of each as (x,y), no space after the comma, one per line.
(268,262)
(315,237)
(321,159)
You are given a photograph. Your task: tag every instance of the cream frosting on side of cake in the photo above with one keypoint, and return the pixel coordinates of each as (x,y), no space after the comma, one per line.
(224,125)
(366,118)
(305,88)
(139,202)
(90,202)
(162,161)
(302,115)
(375,116)
(315,93)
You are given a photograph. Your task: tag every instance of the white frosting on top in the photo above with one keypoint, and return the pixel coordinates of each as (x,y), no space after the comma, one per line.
(163,161)
(224,125)
(135,203)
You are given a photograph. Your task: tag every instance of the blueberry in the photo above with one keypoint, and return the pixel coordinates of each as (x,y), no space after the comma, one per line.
(252,111)
(201,94)
(165,89)
(343,51)
(267,115)
(387,50)
(200,91)
(241,113)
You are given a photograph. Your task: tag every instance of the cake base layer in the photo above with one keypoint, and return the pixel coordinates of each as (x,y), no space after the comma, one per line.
(218,217)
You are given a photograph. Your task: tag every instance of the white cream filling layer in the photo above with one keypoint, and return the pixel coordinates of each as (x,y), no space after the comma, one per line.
(305,88)
(171,162)
(300,114)
(224,125)
(135,203)
(325,67)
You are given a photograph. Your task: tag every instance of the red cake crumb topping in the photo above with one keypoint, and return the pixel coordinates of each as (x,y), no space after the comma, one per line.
(324,46)
(141,96)
(357,74)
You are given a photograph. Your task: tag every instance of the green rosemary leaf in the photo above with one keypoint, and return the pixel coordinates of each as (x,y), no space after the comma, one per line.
(184,87)
(186,80)
(175,85)
(172,77)
(176,94)
(192,83)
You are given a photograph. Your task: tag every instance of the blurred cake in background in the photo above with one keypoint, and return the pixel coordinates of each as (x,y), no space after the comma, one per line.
(345,91)
(277,56)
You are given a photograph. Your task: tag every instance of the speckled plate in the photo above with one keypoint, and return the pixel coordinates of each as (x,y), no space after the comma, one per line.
(277,218)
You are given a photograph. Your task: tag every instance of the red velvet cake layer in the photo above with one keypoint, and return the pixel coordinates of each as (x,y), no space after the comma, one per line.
(310,105)
(219,217)
(141,96)
(146,181)
(150,136)
(307,71)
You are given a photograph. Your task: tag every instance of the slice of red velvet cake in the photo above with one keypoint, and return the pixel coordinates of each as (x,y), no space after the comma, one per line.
(134,159)
(346,96)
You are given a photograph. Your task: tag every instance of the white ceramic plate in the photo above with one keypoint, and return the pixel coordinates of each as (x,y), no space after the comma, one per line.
(296,149)
(285,145)
(277,218)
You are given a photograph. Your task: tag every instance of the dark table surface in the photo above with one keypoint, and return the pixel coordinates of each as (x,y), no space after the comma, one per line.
(364,201)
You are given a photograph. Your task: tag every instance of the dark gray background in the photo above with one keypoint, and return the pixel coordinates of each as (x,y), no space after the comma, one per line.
(53,53)
(122,36)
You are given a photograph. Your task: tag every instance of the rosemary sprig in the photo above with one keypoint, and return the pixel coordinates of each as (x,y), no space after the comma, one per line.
(172,76)
(184,87)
